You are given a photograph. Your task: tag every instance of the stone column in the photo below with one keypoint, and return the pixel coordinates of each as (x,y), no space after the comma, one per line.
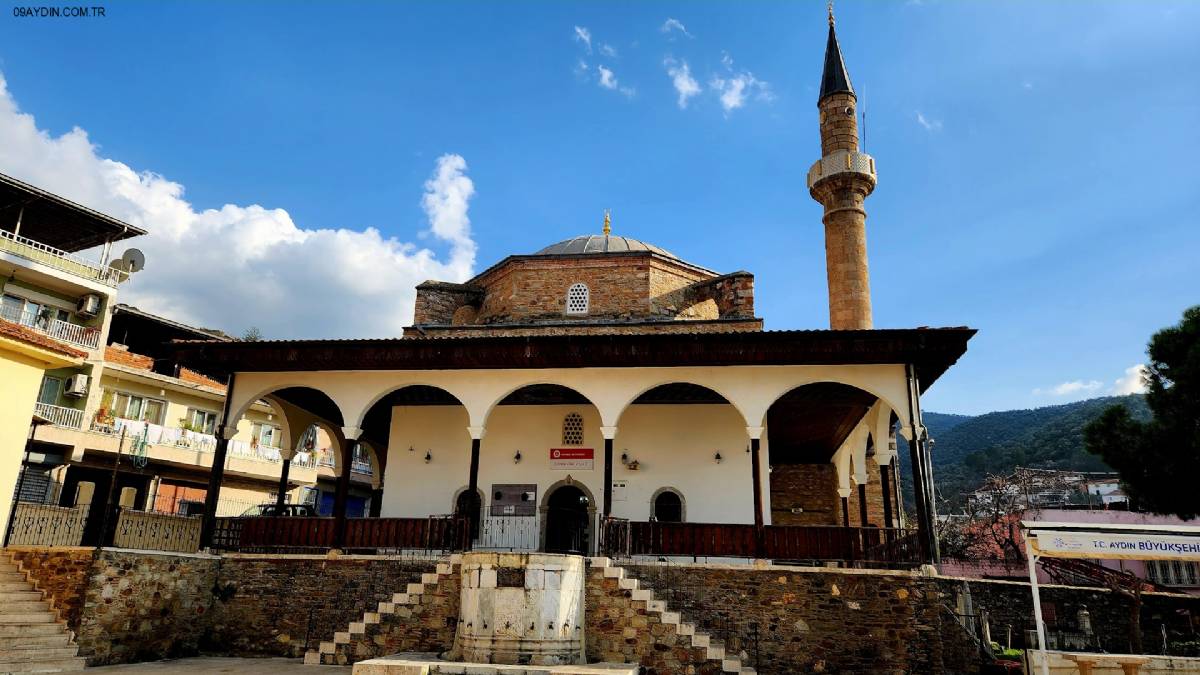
(885,480)
(844,495)
(342,495)
(473,516)
(862,504)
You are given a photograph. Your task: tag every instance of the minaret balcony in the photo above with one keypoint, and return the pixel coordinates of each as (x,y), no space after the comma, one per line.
(842,163)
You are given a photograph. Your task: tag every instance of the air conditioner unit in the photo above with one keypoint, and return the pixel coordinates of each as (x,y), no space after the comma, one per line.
(89,305)
(77,385)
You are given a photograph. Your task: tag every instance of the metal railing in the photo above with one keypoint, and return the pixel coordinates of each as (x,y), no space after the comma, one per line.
(82,336)
(174,437)
(314,534)
(60,416)
(58,259)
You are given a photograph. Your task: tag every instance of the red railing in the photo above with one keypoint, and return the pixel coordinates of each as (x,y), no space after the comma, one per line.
(779,542)
(299,535)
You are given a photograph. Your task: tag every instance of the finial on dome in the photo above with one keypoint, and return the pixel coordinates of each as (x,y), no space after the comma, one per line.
(607,222)
(830,13)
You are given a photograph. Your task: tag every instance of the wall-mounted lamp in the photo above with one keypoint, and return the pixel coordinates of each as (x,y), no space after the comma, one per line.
(428,456)
(517,458)
(634,465)
(625,457)
(411,449)
(747,448)
(718,457)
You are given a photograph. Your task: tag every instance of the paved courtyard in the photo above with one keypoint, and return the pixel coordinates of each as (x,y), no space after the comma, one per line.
(221,664)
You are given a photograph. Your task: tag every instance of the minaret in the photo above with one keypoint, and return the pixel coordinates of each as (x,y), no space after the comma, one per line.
(841,181)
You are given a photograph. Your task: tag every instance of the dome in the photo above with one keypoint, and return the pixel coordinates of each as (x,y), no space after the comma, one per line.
(602,243)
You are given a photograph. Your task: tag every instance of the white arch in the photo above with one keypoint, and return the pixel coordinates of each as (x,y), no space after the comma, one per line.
(362,414)
(245,402)
(857,385)
(628,401)
(496,400)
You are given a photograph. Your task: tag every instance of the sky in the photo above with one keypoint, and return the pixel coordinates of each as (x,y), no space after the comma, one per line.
(301,167)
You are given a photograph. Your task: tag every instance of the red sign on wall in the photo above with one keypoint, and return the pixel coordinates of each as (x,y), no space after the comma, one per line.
(572,459)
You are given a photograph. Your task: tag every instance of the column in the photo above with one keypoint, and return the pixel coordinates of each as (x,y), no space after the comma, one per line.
(755,434)
(885,480)
(609,434)
(281,496)
(862,504)
(225,431)
(376,502)
(342,493)
(476,509)
(844,495)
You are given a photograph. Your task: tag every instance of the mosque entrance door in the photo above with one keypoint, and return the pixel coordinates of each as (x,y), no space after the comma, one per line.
(567,521)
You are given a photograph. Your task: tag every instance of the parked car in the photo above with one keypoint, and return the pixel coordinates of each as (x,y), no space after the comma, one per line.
(285,511)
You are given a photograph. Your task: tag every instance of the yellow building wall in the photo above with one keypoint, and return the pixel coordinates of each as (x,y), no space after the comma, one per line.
(20,379)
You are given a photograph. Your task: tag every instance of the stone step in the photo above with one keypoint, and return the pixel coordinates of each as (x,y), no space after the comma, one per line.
(400,598)
(628,584)
(37,653)
(598,561)
(13,577)
(327,648)
(670,617)
(386,608)
(747,670)
(658,606)
(614,572)
(642,594)
(24,606)
(731,666)
(58,639)
(341,637)
(11,586)
(445,569)
(429,578)
(38,617)
(23,595)
(312,658)
(415,589)
(9,567)
(357,628)
(32,629)
(700,640)
(685,629)
(49,666)
(716,653)
(455,558)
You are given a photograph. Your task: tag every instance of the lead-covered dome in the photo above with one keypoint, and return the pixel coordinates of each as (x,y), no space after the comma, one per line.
(602,243)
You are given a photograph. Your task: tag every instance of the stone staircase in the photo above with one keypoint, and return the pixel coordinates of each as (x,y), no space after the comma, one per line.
(686,649)
(418,612)
(32,639)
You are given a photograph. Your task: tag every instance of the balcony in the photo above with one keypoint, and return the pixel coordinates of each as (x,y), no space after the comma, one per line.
(80,336)
(60,416)
(59,260)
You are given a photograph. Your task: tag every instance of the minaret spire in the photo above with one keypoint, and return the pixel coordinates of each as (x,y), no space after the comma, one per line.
(835,78)
(607,222)
(841,181)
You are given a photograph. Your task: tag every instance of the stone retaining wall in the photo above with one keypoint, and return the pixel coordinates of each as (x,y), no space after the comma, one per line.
(284,605)
(61,573)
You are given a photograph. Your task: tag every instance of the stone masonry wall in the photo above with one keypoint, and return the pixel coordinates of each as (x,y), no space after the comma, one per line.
(874,497)
(672,327)
(285,605)
(809,487)
(143,606)
(790,620)
(61,573)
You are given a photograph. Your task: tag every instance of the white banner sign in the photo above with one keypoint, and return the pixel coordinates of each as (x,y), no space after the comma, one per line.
(1110,545)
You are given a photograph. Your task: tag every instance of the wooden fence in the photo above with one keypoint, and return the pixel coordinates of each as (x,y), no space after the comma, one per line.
(157,531)
(623,538)
(45,525)
(298,535)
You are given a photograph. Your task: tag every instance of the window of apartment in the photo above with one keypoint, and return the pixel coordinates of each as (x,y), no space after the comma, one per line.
(266,435)
(51,388)
(141,408)
(577,299)
(1173,572)
(27,312)
(202,421)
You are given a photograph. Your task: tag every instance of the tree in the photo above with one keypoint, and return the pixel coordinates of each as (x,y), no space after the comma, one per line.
(252,334)
(1159,460)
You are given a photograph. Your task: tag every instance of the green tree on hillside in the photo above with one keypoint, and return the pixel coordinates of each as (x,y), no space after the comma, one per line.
(1159,460)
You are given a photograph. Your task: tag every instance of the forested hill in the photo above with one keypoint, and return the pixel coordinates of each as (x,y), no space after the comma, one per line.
(967,448)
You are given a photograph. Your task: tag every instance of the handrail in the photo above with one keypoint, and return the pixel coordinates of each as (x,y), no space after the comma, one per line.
(83,336)
(60,416)
(59,259)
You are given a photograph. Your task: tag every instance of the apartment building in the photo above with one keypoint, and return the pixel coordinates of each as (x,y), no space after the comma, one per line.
(117,411)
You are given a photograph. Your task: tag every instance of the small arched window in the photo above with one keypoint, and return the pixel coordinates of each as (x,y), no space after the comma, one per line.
(668,507)
(572,432)
(577,299)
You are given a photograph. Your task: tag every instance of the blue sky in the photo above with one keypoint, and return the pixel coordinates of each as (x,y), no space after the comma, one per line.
(1035,159)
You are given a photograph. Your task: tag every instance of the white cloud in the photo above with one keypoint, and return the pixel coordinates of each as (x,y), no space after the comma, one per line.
(608,50)
(237,266)
(681,77)
(674,25)
(736,90)
(1071,388)
(608,80)
(928,124)
(1132,382)
(726,60)
(585,36)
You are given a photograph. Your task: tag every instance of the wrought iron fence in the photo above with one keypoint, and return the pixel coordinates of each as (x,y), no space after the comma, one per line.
(316,534)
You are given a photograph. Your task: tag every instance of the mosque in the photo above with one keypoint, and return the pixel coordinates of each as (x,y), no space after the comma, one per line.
(604,396)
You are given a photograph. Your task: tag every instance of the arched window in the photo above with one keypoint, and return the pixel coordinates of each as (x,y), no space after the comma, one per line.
(668,506)
(572,432)
(577,299)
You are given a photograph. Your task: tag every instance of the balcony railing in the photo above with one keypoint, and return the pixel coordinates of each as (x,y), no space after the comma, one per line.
(82,336)
(60,260)
(60,416)
(156,434)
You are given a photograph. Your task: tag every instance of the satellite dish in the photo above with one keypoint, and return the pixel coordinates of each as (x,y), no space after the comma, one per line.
(133,261)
